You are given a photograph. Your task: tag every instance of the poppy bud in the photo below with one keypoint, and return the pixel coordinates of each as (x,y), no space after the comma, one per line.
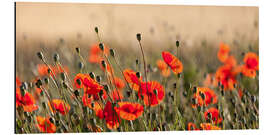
(209,115)
(222,86)
(40,55)
(92,75)
(101,46)
(232,101)
(41,93)
(81,65)
(139,37)
(128,93)
(44,105)
(174,85)
(119,129)
(96,30)
(46,80)
(112,52)
(25,85)
(56,57)
(76,93)
(137,61)
(222,92)
(138,74)
(202,95)
(177,43)
(199,108)
(185,93)
(78,50)
(106,88)
(57,123)
(103,63)
(65,85)
(30,84)
(98,78)
(63,76)
(92,104)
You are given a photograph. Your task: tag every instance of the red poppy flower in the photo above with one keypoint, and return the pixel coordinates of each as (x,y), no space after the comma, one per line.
(111,116)
(162,66)
(209,126)
(223,52)
(209,96)
(95,105)
(214,115)
(132,79)
(251,65)
(192,126)
(119,83)
(173,62)
(44,125)
(226,76)
(95,54)
(78,80)
(27,101)
(59,105)
(18,82)
(152,92)
(231,61)
(92,87)
(129,111)
(116,95)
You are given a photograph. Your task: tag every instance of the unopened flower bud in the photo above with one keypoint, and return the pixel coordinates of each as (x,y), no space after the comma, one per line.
(39,83)
(96,30)
(46,80)
(112,52)
(81,65)
(106,88)
(137,61)
(177,43)
(76,93)
(40,55)
(103,63)
(63,76)
(101,46)
(138,74)
(56,57)
(65,85)
(194,89)
(98,78)
(78,50)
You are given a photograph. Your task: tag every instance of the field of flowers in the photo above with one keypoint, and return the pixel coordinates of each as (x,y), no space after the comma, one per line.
(116,89)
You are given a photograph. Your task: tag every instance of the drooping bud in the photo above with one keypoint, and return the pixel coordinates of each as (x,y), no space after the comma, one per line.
(98,78)
(92,75)
(101,46)
(46,80)
(103,63)
(56,57)
(76,93)
(106,88)
(112,52)
(39,83)
(138,74)
(40,55)
(96,30)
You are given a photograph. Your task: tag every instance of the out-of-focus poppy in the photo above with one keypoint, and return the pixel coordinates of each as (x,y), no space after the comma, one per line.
(132,79)
(27,101)
(213,114)
(43,69)
(129,111)
(209,126)
(231,61)
(210,80)
(223,52)
(18,82)
(59,105)
(251,65)
(163,67)
(226,76)
(240,92)
(92,87)
(173,62)
(95,53)
(209,96)
(192,126)
(45,125)
(95,105)
(118,82)
(116,95)
(152,92)
(111,116)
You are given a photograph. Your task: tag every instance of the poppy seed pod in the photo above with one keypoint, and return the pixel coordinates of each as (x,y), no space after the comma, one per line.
(112,52)
(96,30)
(103,63)
(40,55)
(177,43)
(139,37)
(92,75)
(101,46)
(56,57)
(98,78)
(78,50)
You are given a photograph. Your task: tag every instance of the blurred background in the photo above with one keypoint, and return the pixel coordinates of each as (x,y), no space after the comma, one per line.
(60,27)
